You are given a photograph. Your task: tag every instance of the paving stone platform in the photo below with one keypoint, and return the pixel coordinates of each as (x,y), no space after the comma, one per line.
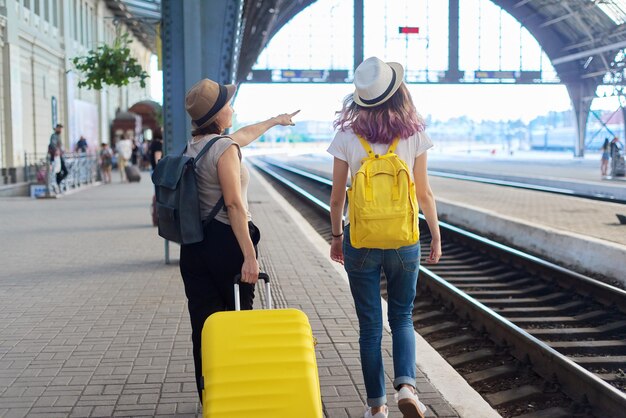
(94,324)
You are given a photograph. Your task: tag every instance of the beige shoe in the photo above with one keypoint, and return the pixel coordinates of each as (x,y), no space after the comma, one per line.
(409,404)
(382,414)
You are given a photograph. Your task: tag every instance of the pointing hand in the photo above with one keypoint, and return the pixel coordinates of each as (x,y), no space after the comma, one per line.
(285,118)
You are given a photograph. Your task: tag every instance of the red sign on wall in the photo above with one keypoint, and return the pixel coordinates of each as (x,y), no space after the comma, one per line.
(408,30)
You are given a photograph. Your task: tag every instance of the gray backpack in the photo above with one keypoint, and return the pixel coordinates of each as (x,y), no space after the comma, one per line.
(177,202)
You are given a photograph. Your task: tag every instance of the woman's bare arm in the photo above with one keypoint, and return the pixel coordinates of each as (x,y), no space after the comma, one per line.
(229,173)
(337,202)
(426,200)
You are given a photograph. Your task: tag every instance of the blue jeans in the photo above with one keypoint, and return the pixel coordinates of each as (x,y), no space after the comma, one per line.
(401,266)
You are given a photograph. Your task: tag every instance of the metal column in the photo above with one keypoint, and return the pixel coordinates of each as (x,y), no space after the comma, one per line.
(358,32)
(200,40)
(579,93)
(453,73)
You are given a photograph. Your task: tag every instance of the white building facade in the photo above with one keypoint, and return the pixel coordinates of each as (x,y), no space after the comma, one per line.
(39,84)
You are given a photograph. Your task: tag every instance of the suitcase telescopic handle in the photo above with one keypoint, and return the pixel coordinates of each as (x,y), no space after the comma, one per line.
(268,300)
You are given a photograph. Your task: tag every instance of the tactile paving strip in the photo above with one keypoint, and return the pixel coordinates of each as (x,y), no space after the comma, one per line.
(278,297)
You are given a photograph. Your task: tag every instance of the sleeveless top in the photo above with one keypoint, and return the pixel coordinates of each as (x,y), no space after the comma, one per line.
(209,189)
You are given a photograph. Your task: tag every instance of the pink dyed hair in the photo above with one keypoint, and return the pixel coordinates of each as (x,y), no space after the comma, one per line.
(397,117)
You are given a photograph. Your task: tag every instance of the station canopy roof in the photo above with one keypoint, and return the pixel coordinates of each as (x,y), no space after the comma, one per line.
(141,16)
(582,38)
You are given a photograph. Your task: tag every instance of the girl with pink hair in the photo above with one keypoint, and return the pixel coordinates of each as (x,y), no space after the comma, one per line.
(381,110)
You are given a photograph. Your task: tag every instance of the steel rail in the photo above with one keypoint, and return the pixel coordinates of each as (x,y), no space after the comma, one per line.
(576,381)
(479,179)
(547,362)
(527,186)
(600,291)
(568,279)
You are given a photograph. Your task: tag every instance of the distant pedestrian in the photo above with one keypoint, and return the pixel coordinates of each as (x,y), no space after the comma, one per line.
(155,151)
(230,238)
(124,150)
(55,152)
(616,147)
(145,154)
(617,158)
(379,122)
(106,162)
(81,145)
(604,160)
(136,152)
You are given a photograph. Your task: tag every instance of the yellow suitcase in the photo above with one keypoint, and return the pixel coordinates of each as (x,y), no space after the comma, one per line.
(259,364)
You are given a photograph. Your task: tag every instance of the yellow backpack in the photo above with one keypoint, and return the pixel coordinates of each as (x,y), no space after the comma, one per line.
(383,207)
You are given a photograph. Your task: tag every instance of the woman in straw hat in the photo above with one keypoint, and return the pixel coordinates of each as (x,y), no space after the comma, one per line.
(230,239)
(381,110)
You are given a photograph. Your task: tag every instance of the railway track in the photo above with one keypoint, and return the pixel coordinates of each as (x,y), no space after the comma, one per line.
(602,193)
(536,340)
(521,183)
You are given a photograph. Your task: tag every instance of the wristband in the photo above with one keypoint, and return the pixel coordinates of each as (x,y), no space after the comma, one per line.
(336,236)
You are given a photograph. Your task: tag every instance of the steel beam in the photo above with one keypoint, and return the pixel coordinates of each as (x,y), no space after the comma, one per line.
(143,5)
(200,40)
(453,41)
(358,33)
(588,53)
(578,92)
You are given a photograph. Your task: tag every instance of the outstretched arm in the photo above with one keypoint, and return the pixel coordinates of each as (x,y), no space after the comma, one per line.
(249,133)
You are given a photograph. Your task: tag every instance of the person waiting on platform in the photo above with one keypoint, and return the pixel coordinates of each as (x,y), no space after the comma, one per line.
(81,145)
(230,239)
(379,121)
(617,158)
(56,153)
(106,162)
(124,150)
(604,160)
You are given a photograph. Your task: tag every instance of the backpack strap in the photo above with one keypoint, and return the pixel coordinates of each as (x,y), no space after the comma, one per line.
(370,152)
(220,203)
(393,146)
(366,145)
(218,206)
(205,149)
(396,189)
(369,194)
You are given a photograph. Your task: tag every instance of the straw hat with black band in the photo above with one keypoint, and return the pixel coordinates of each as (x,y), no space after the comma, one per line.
(205,99)
(376,81)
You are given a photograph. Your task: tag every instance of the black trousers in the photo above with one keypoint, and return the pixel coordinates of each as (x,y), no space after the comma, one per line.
(208,269)
(63,173)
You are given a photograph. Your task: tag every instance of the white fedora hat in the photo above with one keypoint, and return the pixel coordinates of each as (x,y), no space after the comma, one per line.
(376,81)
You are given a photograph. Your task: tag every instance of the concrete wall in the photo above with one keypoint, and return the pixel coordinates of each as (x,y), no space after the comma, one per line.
(35,65)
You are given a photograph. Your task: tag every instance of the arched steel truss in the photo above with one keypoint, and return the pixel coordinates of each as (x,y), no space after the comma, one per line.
(582,38)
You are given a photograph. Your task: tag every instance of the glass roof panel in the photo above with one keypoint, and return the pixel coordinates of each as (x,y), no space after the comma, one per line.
(615,9)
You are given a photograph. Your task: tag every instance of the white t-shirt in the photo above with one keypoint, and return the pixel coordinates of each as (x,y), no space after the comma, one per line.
(347,147)
(124,148)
